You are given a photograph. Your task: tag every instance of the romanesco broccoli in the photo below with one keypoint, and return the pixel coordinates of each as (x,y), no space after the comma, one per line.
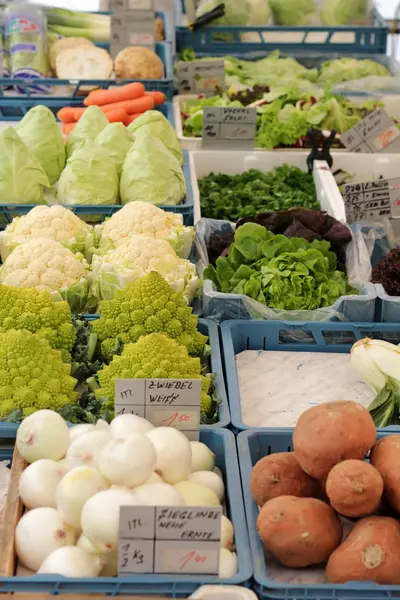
(32,374)
(147,306)
(36,311)
(153,356)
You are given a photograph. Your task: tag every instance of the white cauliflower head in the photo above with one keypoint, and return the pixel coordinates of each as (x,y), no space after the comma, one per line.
(51,222)
(45,264)
(142,218)
(140,255)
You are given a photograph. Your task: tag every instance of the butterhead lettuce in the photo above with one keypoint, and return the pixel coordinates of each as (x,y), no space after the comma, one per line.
(90,177)
(151,173)
(22,178)
(293,12)
(91,123)
(153,122)
(40,131)
(116,140)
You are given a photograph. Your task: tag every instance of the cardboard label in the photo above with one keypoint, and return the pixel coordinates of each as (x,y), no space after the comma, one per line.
(163,402)
(229,128)
(118,5)
(373,200)
(169,540)
(201,76)
(376,133)
(132,28)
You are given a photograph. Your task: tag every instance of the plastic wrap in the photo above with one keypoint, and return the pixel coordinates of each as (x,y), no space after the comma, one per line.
(4,481)
(371,241)
(221,307)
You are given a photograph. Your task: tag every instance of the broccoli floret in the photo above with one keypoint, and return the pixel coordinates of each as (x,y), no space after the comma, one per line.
(149,305)
(36,311)
(153,356)
(32,374)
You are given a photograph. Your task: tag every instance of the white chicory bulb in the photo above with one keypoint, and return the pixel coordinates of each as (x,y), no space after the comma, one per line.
(142,218)
(90,177)
(40,131)
(51,222)
(151,173)
(136,258)
(375,361)
(46,265)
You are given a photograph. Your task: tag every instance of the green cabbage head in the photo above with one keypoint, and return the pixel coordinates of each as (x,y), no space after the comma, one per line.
(237,12)
(40,131)
(90,177)
(153,122)
(344,12)
(22,178)
(91,123)
(151,173)
(116,140)
(293,12)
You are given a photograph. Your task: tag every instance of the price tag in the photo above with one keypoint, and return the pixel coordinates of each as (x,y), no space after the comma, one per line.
(372,200)
(132,24)
(163,402)
(229,128)
(376,133)
(201,76)
(118,5)
(169,540)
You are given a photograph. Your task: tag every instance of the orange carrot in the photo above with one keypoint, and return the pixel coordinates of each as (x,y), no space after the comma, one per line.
(66,114)
(132,106)
(132,118)
(119,115)
(159,97)
(131,91)
(78,112)
(68,127)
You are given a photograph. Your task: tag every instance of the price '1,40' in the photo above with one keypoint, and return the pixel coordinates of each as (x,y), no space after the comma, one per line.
(192,556)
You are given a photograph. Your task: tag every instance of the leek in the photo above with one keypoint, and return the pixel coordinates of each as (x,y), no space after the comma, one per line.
(73,18)
(94,35)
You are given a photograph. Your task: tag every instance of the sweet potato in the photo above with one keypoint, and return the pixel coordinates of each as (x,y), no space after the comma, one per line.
(280,475)
(299,531)
(330,433)
(369,553)
(385,457)
(354,488)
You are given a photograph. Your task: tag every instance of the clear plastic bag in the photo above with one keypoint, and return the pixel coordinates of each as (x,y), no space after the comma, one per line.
(4,482)
(220,306)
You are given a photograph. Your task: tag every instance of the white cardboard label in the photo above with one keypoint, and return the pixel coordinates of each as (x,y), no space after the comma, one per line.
(200,76)
(132,26)
(169,540)
(372,200)
(376,133)
(163,402)
(229,128)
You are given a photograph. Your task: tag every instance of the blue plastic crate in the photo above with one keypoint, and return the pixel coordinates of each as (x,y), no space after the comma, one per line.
(238,336)
(352,39)
(69,92)
(99,213)
(206,327)
(222,443)
(253,445)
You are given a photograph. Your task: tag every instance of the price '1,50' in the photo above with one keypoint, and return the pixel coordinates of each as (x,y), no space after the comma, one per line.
(175,419)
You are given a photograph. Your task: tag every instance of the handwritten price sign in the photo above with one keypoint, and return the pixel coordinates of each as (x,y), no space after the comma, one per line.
(376,133)
(229,128)
(132,23)
(372,200)
(163,402)
(168,540)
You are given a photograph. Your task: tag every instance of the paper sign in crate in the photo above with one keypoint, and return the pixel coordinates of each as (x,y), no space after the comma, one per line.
(222,443)
(238,336)
(206,327)
(252,446)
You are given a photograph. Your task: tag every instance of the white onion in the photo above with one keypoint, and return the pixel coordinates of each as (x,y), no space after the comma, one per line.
(227,533)
(102,425)
(38,533)
(154,478)
(75,489)
(100,517)
(228,564)
(195,494)
(210,480)
(85,450)
(80,429)
(38,483)
(44,434)
(159,494)
(127,424)
(109,560)
(173,454)
(202,457)
(218,472)
(129,460)
(63,463)
(71,561)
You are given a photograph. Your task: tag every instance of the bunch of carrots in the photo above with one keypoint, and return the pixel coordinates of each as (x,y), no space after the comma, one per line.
(122,104)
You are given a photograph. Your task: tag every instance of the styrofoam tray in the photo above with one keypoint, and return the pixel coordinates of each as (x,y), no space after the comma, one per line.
(204,162)
(391,105)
